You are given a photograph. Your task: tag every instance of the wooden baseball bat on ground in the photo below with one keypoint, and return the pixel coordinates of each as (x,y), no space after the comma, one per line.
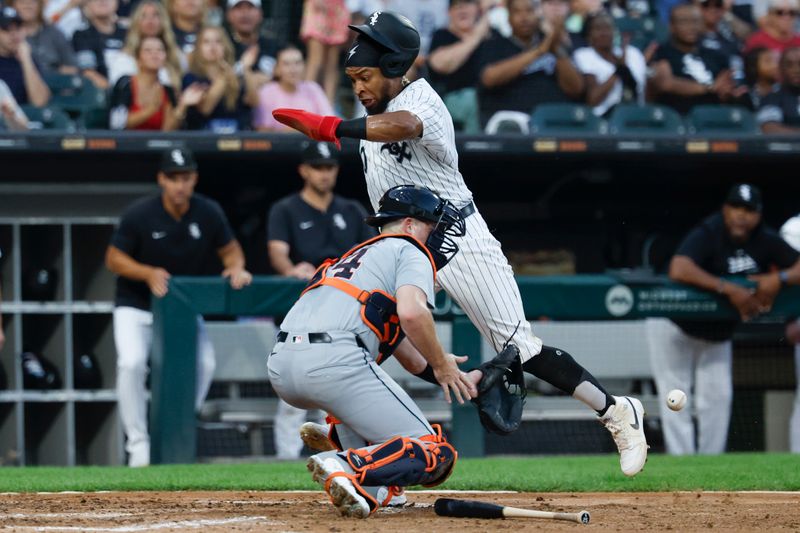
(475,509)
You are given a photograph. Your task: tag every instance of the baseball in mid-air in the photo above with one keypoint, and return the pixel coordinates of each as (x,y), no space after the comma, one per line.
(676,399)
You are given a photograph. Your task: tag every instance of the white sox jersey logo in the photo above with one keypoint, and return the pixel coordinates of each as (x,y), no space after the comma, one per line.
(399,151)
(742,262)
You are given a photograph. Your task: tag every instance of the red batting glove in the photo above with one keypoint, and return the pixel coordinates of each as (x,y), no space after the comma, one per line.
(317,127)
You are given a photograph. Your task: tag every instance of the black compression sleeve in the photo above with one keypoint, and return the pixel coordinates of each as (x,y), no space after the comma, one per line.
(428,375)
(355,128)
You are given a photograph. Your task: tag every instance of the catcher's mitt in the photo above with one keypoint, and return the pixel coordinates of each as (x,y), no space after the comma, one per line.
(501,392)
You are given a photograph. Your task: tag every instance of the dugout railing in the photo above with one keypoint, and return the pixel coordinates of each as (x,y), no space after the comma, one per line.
(552,298)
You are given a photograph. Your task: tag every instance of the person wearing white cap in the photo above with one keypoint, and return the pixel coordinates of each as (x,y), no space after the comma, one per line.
(778,25)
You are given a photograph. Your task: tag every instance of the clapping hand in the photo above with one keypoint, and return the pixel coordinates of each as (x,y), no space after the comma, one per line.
(193,94)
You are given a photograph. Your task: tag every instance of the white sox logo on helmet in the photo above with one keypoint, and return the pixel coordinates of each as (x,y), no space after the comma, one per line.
(374,18)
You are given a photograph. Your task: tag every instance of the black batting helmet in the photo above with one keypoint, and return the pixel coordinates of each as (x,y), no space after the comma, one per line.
(421,203)
(396,33)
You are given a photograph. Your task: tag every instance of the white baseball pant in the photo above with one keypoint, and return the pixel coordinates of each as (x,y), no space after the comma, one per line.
(482,282)
(702,369)
(794,424)
(133,337)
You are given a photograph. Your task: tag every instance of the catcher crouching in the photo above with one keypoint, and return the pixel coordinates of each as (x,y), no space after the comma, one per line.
(358,310)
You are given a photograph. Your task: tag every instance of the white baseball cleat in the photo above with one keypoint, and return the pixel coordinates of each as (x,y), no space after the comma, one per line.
(340,486)
(139,454)
(315,436)
(625,421)
(398,497)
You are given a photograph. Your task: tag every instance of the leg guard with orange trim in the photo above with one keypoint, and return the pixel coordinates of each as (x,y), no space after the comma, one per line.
(404,461)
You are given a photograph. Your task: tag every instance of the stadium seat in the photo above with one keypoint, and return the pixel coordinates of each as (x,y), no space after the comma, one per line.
(508,122)
(641,31)
(47,118)
(565,118)
(645,119)
(721,119)
(78,96)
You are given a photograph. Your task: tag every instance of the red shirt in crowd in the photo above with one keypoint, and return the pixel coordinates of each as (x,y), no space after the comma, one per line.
(762,39)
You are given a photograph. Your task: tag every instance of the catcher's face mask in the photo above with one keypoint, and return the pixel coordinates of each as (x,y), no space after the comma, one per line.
(440,242)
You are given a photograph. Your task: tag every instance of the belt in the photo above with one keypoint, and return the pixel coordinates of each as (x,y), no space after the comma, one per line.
(313,338)
(319,338)
(467,210)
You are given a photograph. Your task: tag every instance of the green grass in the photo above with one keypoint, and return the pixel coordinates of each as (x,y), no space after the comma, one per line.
(534,474)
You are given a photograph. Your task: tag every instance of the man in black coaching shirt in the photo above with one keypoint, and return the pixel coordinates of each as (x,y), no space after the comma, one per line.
(686,354)
(303,230)
(176,232)
(780,110)
(308,227)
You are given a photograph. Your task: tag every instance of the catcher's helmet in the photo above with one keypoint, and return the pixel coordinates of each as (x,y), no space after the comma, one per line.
(420,203)
(396,33)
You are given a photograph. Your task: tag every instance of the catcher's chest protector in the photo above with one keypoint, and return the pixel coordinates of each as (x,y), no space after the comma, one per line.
(378,308)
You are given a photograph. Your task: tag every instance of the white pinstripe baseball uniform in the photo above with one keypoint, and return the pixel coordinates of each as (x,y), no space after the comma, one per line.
(479,278)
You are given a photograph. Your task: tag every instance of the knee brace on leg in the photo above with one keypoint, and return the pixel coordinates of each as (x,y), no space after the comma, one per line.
(558,368)
(405,461)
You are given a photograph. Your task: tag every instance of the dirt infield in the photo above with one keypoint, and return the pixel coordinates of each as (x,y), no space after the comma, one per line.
(310,512)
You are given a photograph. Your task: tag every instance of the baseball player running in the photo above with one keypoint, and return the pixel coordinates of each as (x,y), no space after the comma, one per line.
(355,313)
(407,137)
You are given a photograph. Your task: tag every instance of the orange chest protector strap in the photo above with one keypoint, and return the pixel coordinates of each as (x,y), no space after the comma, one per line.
(378,308)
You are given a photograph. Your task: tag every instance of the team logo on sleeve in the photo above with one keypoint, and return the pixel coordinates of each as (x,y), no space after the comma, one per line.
(401,152)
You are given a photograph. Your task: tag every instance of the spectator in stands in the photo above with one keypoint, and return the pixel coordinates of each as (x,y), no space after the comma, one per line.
(176,232)
(17,67)
(303,230)
(529,68)
(11,118)
(324,30)
(780,112)
(613,74)
(99,45)
(51,51)
(718,35)
(288,89)
(454,62)
(790,232)
(150,19)
(554,14)
(226,105)
(142,102)
(760,75)
(696,355)
(778,28)
(187,18)
(65,15)
(244,19)
(685,73)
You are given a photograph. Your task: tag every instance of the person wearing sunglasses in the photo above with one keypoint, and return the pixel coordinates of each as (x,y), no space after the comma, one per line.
(777,27)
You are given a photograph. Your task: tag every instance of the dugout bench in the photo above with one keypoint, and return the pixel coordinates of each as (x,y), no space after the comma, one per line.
(622,303)
(615,352)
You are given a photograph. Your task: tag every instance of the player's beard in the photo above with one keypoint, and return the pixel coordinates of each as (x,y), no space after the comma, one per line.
(381,101)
